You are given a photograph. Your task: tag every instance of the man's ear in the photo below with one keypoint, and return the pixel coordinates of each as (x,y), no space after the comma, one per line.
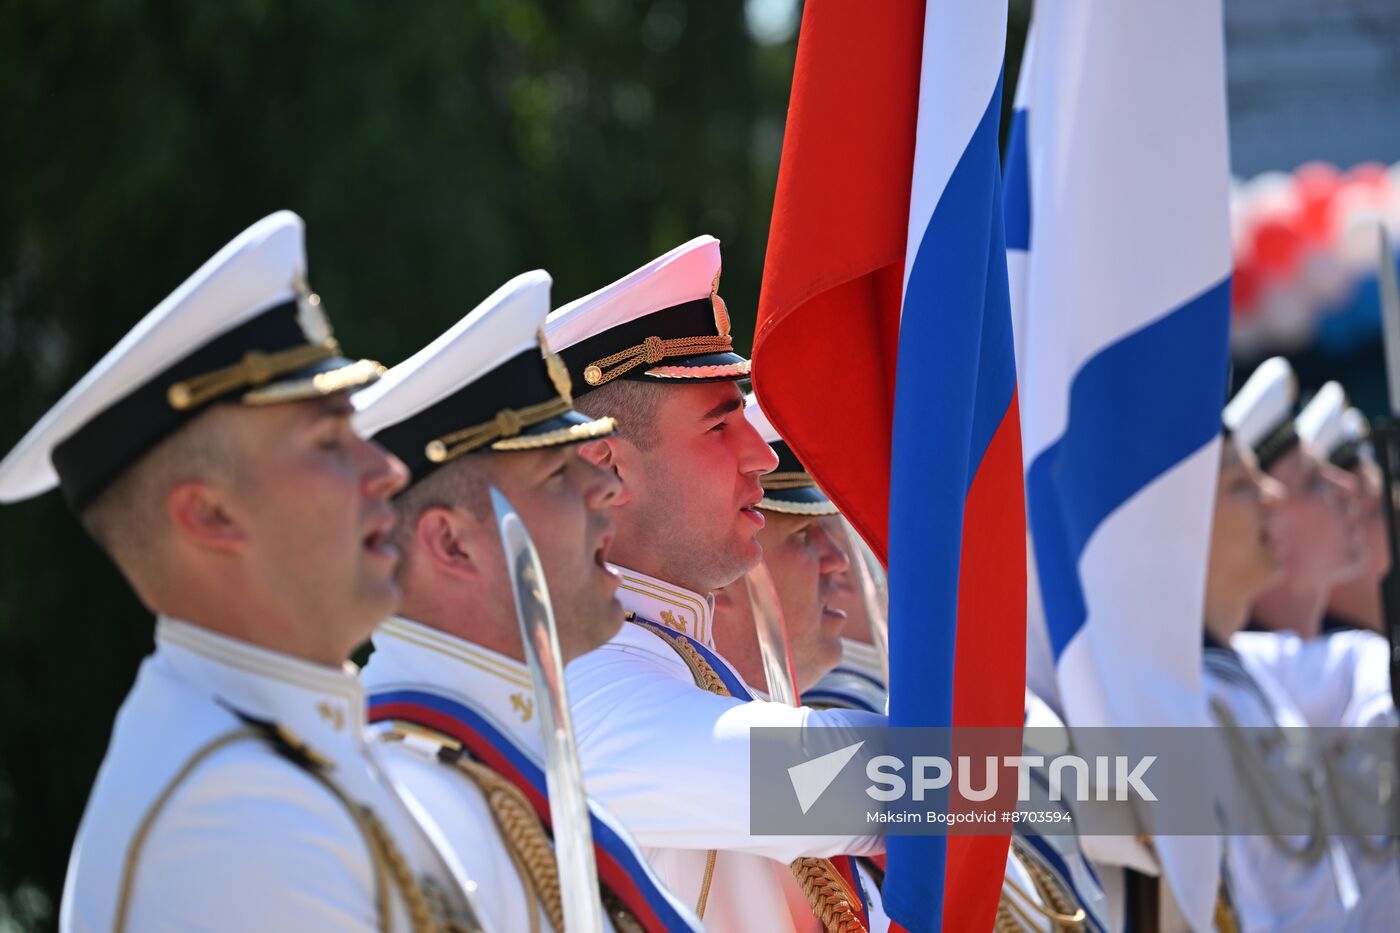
(196,510)
(599,453)
(444,539)
(607,453)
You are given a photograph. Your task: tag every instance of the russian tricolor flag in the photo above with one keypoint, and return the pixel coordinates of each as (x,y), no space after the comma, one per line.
(1119,250)
(883,354)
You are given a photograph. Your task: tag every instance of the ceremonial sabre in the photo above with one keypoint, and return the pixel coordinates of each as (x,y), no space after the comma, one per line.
(1386,438)
(772,634)
(568,807)
(874,593)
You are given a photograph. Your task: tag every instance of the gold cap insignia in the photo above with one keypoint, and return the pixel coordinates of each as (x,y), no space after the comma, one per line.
(721,311)
(311,318)
(558,372)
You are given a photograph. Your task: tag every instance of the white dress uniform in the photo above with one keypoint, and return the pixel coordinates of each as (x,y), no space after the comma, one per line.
(858,682)
(1341,679)
(1272,889)
(458,721)
(198,821)
(672,761)
(237,792)
(411,656)
(408,655)
(1336,679)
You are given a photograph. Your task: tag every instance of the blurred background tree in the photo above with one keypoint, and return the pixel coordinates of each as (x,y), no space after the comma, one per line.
(435,149)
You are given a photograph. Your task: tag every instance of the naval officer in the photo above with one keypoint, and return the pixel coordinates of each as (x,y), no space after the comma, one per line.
(663,721)
(211,455)
(1277,880)
(804,559)
(1321,542)
(1342,435)
(487,405)
(1341,675)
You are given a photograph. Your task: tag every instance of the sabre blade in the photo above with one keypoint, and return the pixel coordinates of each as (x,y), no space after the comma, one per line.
(772,634)
(874,593)
(568,805)
(1390,316)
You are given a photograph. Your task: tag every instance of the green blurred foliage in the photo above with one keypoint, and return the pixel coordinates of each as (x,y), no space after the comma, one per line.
(435,148)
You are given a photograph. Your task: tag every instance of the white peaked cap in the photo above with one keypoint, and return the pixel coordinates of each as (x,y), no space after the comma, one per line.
(506,324)
(488,383)
(1263,403)
(263,268)
(1320,423)
(789,488)
(686,273)
(1355,425)
(754,412)
(665,323)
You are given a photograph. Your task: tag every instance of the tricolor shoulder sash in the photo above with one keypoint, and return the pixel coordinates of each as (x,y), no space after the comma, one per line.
(621,869)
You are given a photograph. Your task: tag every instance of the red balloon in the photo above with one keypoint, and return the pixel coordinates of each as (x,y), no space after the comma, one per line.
(1277,246)
(1244,288)
(1316,184)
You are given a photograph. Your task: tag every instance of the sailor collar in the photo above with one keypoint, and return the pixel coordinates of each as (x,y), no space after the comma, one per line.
(322,706)
(863,658)
(675,607)
(410,654)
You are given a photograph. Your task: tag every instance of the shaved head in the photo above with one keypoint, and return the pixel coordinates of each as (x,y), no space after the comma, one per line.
(128,519)
(633,403)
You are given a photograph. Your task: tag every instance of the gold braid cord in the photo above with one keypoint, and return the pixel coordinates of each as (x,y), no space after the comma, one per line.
(529,845)
(832,901)
(1051,901)
(389,860)
(253,370)
(796,479)
(1225,919)
(1258,775)
(508,422)
(652,350)
(527,841)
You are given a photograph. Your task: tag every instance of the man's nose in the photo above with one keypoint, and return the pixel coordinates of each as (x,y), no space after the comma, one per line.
(385,475)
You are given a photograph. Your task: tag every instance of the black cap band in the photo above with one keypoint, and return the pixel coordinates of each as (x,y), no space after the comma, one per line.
(1278,442)
(95,455)
(693,320)
(520,382)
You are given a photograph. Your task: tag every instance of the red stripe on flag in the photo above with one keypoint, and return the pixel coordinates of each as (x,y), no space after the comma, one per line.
(828,313)
(989,684)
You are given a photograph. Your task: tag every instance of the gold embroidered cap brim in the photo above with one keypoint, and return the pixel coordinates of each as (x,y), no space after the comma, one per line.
(354,375)
(722,371)
(573,434)
(786,507)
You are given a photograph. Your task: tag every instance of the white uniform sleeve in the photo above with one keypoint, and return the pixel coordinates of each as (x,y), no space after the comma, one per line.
(672,761)
(1330,677)
(247,843)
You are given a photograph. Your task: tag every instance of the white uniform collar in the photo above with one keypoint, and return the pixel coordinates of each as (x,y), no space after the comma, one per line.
(670,605)
(863,658)
(322,706)
(409,654)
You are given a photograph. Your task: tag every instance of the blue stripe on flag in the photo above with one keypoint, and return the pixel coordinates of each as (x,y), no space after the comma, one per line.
(954,382)
(1133,414)
(1018,185)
